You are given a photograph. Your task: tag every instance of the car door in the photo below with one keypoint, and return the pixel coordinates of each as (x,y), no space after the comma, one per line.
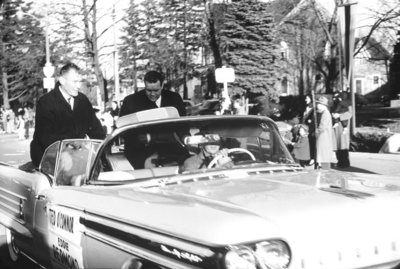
(17,206)
(59,231)
(41,197)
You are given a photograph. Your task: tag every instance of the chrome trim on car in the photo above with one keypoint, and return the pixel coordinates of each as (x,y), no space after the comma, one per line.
(12,193)
(14,224)
(32,260)
(388,265)
(215,175)
(146,233)
(140,252)
(13,209)
(12,203)
(144,240)
(355,256)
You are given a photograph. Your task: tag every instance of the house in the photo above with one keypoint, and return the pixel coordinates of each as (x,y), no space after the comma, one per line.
(370,71)
(307,60)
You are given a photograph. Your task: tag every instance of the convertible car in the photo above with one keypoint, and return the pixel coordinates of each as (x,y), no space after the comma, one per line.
(131,201)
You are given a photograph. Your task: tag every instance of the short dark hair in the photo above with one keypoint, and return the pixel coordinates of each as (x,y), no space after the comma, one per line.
(67,67)
(153,76)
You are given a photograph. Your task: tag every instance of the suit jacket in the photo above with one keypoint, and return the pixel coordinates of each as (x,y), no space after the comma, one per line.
(134,151)
(55,121)
(139,102)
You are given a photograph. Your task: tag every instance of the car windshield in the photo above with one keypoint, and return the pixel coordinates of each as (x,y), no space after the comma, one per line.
(190,146)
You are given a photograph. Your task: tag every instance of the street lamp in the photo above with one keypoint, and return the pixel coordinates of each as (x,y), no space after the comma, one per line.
(48,69)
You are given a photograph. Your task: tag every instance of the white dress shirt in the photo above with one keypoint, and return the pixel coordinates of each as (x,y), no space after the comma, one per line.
(70,99)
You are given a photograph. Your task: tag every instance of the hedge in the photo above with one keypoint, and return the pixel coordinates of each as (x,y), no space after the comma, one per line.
(369,141)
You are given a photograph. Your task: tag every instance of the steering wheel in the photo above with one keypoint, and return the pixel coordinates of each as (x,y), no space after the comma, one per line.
(232,150)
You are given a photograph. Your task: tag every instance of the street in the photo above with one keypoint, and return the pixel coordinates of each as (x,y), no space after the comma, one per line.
(14,151)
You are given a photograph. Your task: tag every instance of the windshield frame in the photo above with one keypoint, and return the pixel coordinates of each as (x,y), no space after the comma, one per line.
(251,119)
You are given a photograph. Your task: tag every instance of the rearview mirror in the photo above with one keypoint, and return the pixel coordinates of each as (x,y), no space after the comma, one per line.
(196,140)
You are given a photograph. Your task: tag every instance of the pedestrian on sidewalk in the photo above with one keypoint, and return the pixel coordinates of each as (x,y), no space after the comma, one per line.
(10,120)
(324,134)
(342,112)
(301,147)
(3,116)
(26,124)
(114,112)
(21,124)
(308,120)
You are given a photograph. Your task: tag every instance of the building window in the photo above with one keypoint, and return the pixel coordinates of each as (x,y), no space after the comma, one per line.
(359,86)
(376,80)
(284,50)
(284,86)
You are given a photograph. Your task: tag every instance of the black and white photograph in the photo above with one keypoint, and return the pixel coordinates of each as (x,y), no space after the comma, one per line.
(200,134)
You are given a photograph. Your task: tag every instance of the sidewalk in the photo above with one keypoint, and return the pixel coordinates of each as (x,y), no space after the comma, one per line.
(374,163)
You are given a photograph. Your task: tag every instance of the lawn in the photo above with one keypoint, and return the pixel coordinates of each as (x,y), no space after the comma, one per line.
(382,125)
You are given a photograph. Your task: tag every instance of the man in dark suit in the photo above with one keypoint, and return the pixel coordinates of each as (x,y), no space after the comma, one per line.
(64,113)
(153,96)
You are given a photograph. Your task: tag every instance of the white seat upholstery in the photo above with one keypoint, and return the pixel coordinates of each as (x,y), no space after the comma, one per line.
(119,162)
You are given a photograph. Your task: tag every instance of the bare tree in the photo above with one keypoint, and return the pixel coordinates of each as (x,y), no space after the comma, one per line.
(312,32)
(382,23)
(84,18)
(91,38)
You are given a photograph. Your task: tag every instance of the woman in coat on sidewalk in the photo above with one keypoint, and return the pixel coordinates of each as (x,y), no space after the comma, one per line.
(301,147)
(324,134)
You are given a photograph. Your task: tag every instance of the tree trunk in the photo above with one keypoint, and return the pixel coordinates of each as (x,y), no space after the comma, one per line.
(6,101)
(4,80)
(214,45)
(134,70)
(91,40)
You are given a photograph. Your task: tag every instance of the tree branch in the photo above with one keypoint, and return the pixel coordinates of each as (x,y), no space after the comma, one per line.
(385,17)
(327,33)
(18,96)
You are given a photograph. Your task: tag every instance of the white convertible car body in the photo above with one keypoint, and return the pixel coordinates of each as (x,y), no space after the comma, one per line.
(95,204)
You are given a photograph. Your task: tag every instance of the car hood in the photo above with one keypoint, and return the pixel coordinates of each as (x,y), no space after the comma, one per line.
(301,207)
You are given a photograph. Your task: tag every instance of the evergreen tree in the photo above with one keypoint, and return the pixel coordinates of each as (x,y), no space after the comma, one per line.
(152,39)
(22,53)
(165,34)
(248,45)
(185,20)
(129,46)
(67,40)
(395,70)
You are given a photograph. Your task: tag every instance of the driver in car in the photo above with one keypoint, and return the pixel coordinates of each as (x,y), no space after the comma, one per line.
(209,151)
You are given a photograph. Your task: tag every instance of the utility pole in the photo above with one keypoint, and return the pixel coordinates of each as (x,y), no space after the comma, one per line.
(185,89)
(348,32)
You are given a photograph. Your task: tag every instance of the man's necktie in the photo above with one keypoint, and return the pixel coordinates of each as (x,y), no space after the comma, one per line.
(71,103)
